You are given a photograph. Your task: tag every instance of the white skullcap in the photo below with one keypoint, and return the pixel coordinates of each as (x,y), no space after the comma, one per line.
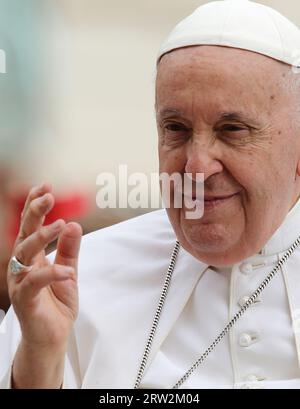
(240,24)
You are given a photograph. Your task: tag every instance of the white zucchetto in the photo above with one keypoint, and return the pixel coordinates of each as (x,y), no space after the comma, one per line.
(239,24)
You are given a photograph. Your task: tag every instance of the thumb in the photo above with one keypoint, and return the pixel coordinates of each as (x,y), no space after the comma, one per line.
(68,245)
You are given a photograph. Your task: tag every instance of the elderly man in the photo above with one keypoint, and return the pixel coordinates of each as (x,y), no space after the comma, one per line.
(223,290)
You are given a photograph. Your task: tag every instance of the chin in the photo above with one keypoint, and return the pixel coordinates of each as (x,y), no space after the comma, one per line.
(212,256)
(208,238)
(210,242)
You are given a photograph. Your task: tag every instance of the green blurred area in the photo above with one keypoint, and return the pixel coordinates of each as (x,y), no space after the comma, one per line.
(23,37)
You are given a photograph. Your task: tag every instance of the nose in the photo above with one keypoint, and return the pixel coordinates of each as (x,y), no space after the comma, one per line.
(202,158)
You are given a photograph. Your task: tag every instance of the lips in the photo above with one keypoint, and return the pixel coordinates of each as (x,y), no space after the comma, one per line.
(214,198)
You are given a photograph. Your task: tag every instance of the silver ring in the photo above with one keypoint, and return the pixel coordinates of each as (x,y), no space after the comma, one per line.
(17,268)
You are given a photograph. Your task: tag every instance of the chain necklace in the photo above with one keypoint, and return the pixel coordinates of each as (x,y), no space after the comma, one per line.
(222,334)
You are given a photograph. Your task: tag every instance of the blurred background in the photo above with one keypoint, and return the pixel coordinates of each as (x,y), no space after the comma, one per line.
(77,99)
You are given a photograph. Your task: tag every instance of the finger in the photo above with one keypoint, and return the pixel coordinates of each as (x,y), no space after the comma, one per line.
(68,245)
(34,217)
(27,250)
(40,278)
(34,193)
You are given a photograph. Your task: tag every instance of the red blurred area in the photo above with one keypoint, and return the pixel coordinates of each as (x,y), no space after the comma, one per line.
(73,206)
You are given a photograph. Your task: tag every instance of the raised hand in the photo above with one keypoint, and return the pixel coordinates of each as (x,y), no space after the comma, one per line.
(45,298)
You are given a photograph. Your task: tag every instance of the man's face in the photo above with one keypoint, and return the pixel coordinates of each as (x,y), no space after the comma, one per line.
(226,113)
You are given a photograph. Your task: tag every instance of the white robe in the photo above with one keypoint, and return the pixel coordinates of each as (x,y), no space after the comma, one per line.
(121,273)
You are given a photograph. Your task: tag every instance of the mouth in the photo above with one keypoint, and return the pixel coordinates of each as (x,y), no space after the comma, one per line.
(211,198)
(218,198)
(213,201)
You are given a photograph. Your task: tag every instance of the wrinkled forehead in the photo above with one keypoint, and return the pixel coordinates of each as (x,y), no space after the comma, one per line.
(218,59)
(218,72)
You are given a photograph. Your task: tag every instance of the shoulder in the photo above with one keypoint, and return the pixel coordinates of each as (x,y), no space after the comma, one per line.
(153,226)
(139,242)
(122,269)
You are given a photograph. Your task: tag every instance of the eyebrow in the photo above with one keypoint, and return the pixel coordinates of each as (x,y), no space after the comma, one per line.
(168,113)
(234,116)
(237,117)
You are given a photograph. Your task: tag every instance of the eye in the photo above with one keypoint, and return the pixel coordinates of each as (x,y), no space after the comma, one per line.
(175,127)
(175,134)
(234,128)
(236,134)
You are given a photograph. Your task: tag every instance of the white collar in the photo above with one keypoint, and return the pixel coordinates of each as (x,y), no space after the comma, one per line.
(285,235)
(282,239)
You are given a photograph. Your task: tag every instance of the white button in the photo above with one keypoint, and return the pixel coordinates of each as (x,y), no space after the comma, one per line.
(246,386)
(252,378)
(246,340)
(246,268)
(242,301)
(252,385)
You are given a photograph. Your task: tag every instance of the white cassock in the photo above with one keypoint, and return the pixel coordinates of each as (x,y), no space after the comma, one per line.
(121,273)
(122,270)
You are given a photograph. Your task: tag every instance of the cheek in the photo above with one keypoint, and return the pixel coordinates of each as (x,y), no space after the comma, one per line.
(259,178)
(171,161)
(250,170)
